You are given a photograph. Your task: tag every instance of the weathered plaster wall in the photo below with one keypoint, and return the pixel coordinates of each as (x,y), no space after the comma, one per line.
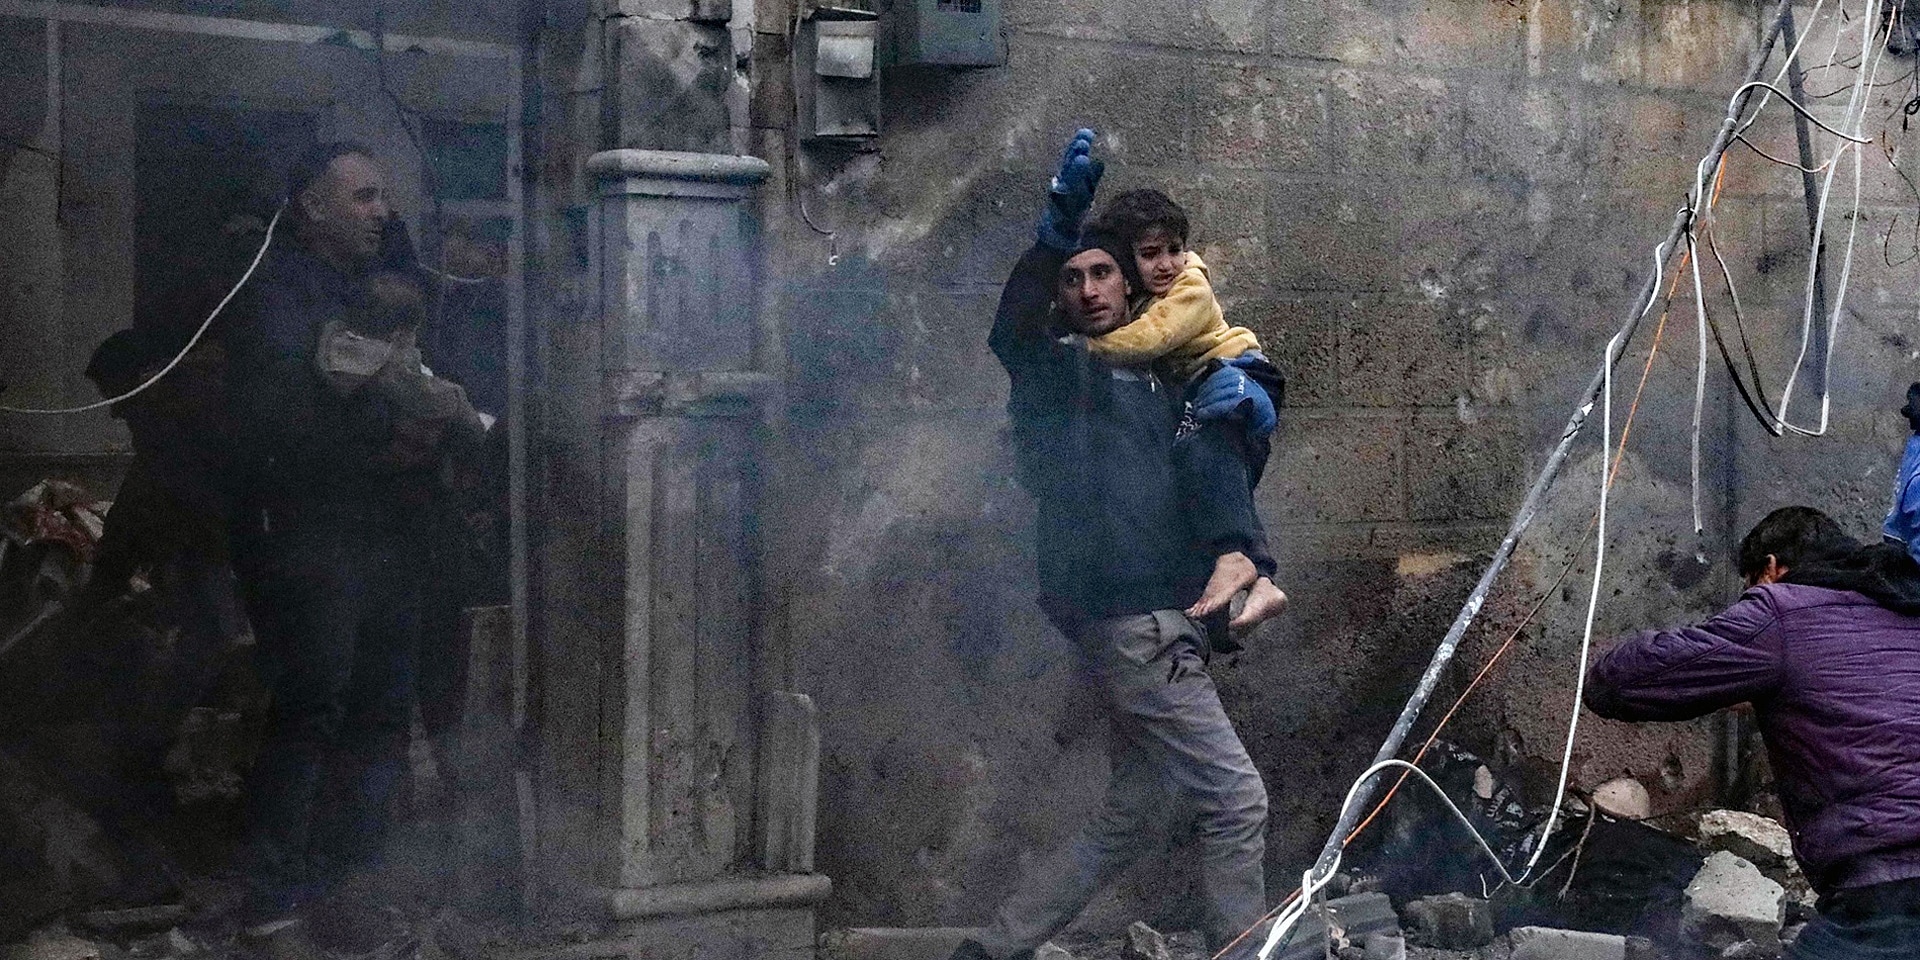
(1434,214)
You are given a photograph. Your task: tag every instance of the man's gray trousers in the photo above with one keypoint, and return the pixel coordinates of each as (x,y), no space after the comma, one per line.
(1175,760)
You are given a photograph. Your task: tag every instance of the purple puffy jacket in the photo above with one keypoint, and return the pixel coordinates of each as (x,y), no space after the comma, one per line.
(1835,681)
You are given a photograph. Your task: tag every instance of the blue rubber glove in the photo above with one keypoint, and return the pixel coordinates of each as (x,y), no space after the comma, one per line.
(1071,193)
(1229,392)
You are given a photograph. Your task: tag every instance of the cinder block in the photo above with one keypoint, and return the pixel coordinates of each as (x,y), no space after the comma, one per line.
(1333,467)
(1248,116)
(1301,335)
(1464,471)
(1237,25)
(1696,46)
(1546,943)
(1583,40)
(1643,140)
(1230,230)
(1535,134)
(1397,353)
(1323,240)
(1398,126)
(1455,35)
(1136,101)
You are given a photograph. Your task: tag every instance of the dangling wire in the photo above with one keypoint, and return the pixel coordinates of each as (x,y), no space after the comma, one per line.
(191,342)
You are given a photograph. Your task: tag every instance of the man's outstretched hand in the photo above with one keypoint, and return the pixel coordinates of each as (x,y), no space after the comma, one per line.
(1070,195)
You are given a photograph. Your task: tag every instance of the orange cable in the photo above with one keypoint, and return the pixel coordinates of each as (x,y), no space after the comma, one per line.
(1620,451)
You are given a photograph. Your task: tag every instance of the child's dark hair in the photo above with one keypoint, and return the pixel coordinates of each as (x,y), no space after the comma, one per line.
(392,299)
(1136,213)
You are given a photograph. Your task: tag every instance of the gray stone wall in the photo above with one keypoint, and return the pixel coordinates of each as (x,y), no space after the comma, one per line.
(1434,214)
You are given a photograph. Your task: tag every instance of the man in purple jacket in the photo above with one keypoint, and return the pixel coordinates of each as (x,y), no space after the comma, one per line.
(1825,644)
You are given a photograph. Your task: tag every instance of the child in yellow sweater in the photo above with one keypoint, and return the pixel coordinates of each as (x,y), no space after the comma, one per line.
(1232,393)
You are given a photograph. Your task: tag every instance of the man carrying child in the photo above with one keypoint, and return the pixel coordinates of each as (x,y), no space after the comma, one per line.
(342,433)
(1139,539)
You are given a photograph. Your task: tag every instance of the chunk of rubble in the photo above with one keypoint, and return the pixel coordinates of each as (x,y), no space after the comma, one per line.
(1759,840)
(1623,798)
(1730,902)
(1548,943)
(1144,943)
(1052,951)
(52,945)
(133,920)
(1451,921)
(1356,918)
(1383,946)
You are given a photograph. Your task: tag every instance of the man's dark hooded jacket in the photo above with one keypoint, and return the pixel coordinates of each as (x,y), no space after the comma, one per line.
(1833,672)
(306,453)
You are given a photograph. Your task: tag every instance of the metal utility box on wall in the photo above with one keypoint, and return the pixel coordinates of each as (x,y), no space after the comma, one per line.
(836,79)
(946,33)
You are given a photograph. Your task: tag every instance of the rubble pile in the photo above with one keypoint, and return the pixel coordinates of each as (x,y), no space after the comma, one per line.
(129,715)
(1738,894)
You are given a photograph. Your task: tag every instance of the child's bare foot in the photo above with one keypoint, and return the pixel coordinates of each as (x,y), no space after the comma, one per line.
(1232,573)
(1264,602)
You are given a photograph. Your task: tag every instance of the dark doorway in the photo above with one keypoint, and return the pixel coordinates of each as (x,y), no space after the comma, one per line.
(206,180)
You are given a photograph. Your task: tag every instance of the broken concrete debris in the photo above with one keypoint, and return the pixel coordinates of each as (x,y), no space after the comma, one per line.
(1542,943)
(1145,943)
(134,920)
(1623,797)
(1452,921)
(1730,902)
(1759,840)
(52,944)
(1383,946)
(1052,951)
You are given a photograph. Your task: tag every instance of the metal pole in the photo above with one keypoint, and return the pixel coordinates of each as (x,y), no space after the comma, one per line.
(1555,460)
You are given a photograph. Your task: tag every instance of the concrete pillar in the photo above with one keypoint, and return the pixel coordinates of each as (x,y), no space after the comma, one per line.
(674,64)
(705,823)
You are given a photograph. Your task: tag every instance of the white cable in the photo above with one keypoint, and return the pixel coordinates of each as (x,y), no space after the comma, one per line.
(1856,113)
(1803,111)
(197,334)
(1699,379)
(1311,886)
(1813,17)
(1593,602)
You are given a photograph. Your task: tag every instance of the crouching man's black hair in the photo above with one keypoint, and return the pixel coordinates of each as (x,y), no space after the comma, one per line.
(1793,536)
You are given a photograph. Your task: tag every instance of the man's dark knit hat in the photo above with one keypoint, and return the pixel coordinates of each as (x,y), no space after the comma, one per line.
(1094,238)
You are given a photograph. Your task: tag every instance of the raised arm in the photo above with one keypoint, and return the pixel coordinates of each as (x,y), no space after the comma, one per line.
(1020,335)
(1687,672)
(1187,310)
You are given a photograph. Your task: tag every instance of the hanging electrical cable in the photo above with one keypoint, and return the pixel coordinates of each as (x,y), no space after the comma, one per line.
(1317,875)
(1855,114)
(192,342)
